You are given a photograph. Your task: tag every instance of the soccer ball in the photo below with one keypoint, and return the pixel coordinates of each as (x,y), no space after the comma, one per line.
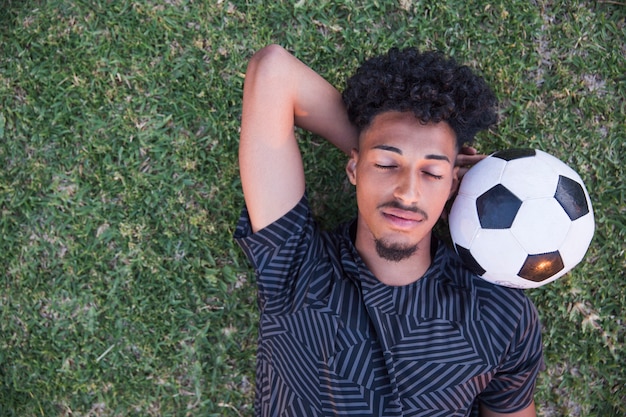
(522,218)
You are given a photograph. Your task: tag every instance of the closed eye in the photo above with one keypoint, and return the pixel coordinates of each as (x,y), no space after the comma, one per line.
(434,176)
(380,166)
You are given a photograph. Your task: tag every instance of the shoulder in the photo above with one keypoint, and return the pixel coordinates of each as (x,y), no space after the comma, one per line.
(281,250)
(296,221)
(293,258)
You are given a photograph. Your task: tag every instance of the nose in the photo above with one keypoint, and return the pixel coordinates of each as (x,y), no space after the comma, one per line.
(408,188)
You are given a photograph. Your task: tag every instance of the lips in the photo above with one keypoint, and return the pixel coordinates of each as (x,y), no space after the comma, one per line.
(403,214)
(402,219)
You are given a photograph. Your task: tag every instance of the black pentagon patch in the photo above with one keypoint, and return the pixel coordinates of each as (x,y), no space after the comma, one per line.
(571,197)
(510,154)
(538,268)
(469,260)
(497,208)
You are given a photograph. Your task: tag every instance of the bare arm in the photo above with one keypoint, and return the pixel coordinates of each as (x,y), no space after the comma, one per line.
(280,92)
(527,412)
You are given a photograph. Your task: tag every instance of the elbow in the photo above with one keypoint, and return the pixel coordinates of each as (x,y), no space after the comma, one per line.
(268,52)
(267,61)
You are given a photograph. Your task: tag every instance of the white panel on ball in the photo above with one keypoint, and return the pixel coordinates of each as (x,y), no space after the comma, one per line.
(530,178)
(464,220)
(498,252)
(541,217)
(482,177)
(578,240)
(559,166)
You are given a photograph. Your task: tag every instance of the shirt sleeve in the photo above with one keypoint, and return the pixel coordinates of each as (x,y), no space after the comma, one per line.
(512,388)
(278,253)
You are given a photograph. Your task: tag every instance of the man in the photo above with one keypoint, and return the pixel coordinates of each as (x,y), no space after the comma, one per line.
(377,318)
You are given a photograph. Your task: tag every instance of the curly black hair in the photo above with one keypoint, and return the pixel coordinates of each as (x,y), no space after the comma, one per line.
(435,88)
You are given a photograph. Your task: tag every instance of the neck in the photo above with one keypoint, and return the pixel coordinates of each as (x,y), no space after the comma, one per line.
(394,273)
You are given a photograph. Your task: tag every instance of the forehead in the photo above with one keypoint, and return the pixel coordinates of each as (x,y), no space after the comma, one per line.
(404,131)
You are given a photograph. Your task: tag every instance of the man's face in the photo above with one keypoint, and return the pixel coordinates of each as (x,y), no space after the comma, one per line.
(404,173)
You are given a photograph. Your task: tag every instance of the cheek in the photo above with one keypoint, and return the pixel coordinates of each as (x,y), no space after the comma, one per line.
(372,177)
(370,193)
(437,195)
(364,197)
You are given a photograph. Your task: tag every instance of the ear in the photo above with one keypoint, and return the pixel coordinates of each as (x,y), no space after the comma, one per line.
(454,187)
(351,166)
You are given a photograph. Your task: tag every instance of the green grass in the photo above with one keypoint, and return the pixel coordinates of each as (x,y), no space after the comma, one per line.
(123,293)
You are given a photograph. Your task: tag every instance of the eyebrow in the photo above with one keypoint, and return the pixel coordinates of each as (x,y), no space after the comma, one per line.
(399,152)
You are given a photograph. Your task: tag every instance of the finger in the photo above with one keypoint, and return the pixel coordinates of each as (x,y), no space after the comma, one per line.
(463,160)
(468,150)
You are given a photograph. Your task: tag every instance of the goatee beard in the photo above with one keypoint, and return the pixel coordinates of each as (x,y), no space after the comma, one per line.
(394,252)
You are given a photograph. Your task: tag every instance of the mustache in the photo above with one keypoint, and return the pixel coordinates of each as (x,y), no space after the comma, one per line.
(399,206)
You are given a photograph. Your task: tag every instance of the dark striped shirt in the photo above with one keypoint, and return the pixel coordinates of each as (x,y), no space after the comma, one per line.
(335,341)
